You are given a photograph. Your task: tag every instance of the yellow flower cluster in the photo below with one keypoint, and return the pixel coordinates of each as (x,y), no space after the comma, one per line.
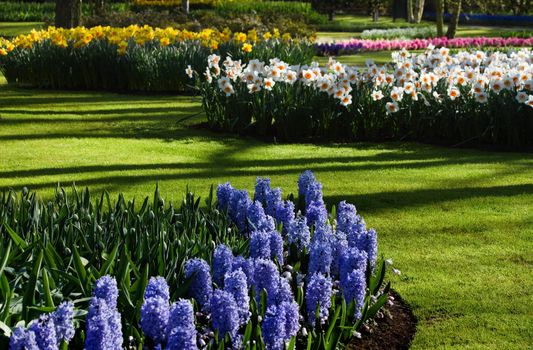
(123,37)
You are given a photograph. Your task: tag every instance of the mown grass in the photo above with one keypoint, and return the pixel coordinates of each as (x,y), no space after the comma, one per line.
(11,29)
(456,222)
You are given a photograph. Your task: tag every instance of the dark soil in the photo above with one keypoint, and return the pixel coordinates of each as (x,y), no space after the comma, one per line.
(390,333)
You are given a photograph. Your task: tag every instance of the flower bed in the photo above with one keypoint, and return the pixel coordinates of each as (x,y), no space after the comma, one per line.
(132,58)
(360,45)
(399,33)
(281,273)
(474,97)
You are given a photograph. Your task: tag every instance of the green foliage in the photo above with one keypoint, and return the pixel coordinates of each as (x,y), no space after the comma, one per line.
(56,250)
(151,67)
(41,11)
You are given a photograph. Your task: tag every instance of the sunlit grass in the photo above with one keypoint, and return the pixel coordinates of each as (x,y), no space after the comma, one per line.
(456,222)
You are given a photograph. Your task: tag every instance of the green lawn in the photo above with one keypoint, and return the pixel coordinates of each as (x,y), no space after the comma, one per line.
(456,222)
(17,28)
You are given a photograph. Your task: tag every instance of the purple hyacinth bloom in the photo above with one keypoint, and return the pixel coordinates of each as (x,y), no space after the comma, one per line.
(157,287)
(285,214)
(313,193)
(222,263)
(63,320)
(181,329)
(306,178)
(339,245)
(284,291)
(257,218)
(299,234)
(22,339)
(316,213)
(346,216)
(238,208)
(318,292)
(321,251)
(103,330)
(262,187)
(354,289)
(292,318)
(260,245)
(273,328)
(224,314)
(352,259)
(247,266)
(154,318)
(45,332)
(224,192)
(266,276)
(273,199)
(355,231)
(106,288)
(276,246)
(155,309)
(201,286)
(236,284)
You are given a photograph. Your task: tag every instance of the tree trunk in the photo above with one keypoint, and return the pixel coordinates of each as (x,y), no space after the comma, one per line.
(454,21)
(68,13)
(185,6)
(419,10)
(410,16)
(439,9)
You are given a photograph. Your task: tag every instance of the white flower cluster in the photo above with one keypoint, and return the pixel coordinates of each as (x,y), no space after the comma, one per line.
(476,74)
(399,33)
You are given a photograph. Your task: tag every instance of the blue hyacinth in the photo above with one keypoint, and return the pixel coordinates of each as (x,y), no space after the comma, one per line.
(339,246)
(222,263)
(247,266)
(298,234)
(292,318)
(354,289)
(316,213)
(235,283)
(23,339)
(224,314)
(284,292)
(155,310)
(238,208)
(157,287)
(201,286)
(266,276)
(262,187)
(257,218)
(103,327)
(63,321)
(260,245)
(224,192)
(318,294)
(181,329)
(352,259)
(273,199)
(276,246)
(306,178)
(106,288)
(285,214)
(346,216)
(321,251)
(313,193)
(273,328)
(45,333)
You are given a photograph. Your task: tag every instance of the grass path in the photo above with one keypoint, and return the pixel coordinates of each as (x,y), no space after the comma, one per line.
(456,222)
(17,28)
